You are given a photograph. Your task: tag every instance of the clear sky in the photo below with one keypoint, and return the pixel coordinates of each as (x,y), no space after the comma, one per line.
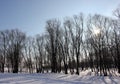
(30,15)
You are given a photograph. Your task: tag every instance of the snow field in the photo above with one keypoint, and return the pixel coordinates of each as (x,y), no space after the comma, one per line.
(58,78)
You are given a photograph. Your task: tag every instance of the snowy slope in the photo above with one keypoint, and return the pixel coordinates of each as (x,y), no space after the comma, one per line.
(49,78)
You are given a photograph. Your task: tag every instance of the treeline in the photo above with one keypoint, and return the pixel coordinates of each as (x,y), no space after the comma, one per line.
(78,43)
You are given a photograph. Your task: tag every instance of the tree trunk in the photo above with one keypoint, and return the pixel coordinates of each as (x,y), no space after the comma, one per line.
(77,66)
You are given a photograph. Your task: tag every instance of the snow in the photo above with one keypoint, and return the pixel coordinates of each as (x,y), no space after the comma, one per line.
(58,78)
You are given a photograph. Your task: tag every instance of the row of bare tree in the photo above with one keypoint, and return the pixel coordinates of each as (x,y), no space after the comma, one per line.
(79,43)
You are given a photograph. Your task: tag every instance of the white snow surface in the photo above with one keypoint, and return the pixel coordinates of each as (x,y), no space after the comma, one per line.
(58,78)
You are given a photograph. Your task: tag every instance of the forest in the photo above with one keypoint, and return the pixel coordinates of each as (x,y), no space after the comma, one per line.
(70,45)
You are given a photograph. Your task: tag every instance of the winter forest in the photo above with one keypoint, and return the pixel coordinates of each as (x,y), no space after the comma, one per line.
(71,45)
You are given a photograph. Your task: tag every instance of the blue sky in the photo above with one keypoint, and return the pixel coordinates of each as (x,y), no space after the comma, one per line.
(30,15)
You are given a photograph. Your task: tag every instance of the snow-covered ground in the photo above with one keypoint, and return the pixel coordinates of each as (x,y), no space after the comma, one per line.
(51,78)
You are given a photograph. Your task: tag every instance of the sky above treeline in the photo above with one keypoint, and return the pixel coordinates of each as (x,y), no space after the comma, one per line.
(30,16)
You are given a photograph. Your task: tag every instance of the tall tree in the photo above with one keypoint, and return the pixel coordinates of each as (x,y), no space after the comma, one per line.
(52,27)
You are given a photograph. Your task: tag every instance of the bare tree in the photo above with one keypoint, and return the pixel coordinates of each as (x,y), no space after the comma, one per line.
(52,27)
(41,51)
